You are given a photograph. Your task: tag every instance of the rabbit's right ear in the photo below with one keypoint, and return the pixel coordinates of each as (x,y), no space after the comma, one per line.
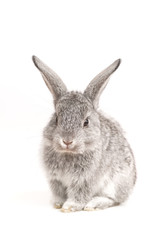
(52,80)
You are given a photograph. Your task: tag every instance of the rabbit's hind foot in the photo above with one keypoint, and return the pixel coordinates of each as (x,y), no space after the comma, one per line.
(98,203)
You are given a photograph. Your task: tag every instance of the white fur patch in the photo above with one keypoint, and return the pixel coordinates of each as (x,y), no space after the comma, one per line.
(107,187)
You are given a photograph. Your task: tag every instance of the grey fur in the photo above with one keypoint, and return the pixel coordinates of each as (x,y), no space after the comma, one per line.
(96,169)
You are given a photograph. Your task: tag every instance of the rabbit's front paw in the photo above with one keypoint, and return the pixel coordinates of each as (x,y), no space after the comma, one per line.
(71,206)
(57,205)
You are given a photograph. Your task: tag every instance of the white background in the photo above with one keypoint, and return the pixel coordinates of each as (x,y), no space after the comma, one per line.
(77,39)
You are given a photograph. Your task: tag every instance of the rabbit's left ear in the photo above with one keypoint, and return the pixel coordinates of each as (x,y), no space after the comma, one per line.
(97,85)
(52,80)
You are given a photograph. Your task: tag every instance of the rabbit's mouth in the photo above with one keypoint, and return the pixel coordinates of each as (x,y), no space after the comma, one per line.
(69,148)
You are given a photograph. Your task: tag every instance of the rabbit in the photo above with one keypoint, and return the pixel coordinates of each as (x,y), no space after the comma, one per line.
(88,162)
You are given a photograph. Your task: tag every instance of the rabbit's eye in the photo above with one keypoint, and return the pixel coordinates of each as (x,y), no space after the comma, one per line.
(56,120)
(86,122)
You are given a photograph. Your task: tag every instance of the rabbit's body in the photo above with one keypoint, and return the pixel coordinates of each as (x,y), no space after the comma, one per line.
(88,161)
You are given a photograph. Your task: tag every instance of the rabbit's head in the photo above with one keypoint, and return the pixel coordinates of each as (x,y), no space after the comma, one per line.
(75,124)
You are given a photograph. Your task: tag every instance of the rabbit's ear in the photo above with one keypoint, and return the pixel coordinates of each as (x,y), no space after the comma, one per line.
(97,85)
(52,80)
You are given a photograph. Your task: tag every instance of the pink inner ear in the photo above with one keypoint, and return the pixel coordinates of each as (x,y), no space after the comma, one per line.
(48,85)
(52,80)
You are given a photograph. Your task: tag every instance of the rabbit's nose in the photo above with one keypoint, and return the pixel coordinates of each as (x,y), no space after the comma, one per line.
(67,143)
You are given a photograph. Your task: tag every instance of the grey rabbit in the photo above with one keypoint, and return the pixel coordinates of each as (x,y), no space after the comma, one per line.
(88,161)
